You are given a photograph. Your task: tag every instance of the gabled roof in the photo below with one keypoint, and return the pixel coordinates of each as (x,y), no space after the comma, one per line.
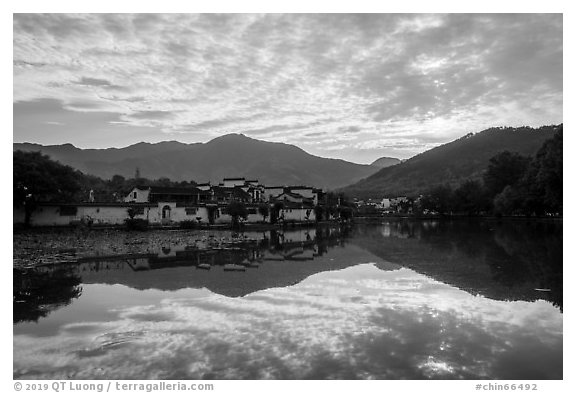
(301,200)
(290,194)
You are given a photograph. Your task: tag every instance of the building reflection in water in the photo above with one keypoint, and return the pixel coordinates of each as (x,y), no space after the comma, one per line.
(498,260)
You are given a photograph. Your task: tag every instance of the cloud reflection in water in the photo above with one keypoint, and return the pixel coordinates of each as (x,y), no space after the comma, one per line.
(360,322)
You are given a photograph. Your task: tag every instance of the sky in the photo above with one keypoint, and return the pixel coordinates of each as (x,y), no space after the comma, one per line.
(350,86)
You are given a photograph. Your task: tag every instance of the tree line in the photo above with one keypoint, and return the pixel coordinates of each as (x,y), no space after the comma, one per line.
(512,185)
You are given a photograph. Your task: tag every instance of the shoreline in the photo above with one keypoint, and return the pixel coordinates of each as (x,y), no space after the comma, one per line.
(204,227)
(455,217)
(268,226)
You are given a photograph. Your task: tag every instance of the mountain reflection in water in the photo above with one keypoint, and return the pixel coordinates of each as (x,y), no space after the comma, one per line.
(401,299)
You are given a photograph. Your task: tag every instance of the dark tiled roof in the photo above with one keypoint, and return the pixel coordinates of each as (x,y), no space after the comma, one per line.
(234,191)
(176,190)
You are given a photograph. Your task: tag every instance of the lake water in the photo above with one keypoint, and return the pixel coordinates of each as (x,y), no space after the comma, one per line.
(397,300)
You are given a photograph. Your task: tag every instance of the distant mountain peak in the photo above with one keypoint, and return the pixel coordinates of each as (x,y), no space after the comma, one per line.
(161,143)
(66,146)
(231,136)
(384,162)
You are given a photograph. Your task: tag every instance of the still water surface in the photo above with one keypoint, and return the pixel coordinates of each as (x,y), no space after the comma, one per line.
(398,300)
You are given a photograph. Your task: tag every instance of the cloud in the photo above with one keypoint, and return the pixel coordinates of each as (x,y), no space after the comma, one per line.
(274,129)
(349,129)
(93,82)
(356,323)
(203,75)
(152,115)
(49,121)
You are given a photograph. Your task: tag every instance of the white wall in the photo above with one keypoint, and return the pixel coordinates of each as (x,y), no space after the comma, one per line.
(257,217)
(141,196)
(106,215)
(116,215)
(178,214)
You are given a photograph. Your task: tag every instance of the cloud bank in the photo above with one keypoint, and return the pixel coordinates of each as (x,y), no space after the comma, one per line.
(355,86)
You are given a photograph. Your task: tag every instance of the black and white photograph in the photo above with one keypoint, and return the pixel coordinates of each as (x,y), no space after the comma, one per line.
(287,196)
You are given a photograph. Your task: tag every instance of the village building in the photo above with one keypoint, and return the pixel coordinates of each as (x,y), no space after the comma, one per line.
(385,203)
(394,202)
(299,194)
(202,204)
(291,197)
(272,192)
(230,182)
(222,194)
(204,186)
(309,193)
(154,194)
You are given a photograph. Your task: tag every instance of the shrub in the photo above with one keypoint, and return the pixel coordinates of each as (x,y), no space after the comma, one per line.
(136,224)
(189,224)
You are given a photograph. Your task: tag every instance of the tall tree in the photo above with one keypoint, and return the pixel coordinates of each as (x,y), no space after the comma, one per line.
(439,199)
(36,178)
(237,210)
(544,177)
(264,211)
(504,169)
(470,198)
(539,190)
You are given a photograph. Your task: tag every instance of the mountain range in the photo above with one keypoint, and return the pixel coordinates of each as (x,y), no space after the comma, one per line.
(232,155)
(452,163)
(273,164)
